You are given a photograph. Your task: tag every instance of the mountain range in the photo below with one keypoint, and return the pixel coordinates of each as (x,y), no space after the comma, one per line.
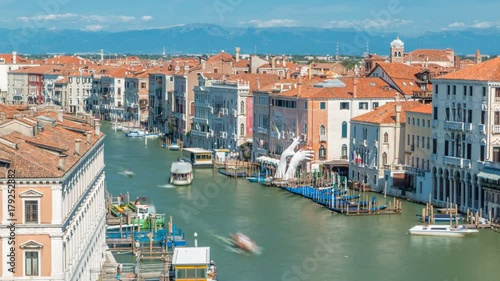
(210,38)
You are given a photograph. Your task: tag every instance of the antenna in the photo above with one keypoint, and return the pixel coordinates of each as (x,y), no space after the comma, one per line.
(102,56)
(337,55)
(367,52)
(255,49)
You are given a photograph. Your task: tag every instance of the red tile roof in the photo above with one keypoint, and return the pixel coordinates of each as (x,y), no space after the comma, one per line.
(486,71)
(386,114)
(256,81)
(425,109)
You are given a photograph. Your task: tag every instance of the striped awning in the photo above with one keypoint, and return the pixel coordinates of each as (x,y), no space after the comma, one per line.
(490,174)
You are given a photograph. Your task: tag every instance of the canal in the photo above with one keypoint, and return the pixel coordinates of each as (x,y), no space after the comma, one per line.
(300,240)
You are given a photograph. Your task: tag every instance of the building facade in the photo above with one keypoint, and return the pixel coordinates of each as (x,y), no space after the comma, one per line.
(59,208)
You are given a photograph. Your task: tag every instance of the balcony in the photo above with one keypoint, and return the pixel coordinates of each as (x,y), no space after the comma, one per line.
(322,138)
(495,129)
(200,134)
(451,125)
(492,165)
(199,120)
(481,128)
(457,162)
(261,130)
(223,135)
(468,127)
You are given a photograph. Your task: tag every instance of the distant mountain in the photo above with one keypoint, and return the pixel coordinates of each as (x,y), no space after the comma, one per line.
(209,38)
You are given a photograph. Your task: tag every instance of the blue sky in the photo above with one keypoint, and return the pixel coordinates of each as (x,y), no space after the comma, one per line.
(407,17)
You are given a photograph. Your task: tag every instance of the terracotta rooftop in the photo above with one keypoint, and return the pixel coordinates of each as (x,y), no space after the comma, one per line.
(386,114)
(431,55)
(486,71)
(366,88)
(425,109)
(9,59)
(37,157)
(256,81)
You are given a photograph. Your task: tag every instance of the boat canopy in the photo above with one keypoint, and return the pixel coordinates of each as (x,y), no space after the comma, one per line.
(267,160)
(181,168)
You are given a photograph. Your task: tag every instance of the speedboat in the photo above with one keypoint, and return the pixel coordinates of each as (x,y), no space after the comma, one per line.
(174,147)
(181,173)
(128,173)
(135,133)
(442,230)
(243,242)
(151,135)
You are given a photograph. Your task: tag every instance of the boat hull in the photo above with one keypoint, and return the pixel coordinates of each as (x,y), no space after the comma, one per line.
(174,148)
(442,234)
(443,231)
(181,182)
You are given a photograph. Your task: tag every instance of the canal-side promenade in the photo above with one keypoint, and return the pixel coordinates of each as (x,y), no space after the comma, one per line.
(300,240)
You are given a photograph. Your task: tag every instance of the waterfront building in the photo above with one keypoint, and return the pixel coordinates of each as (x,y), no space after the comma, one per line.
(224,109)
(160,84)
(79,90)
(377,148)
(8,63)
(466,137)
(319,112)
(418,133)
(57,164)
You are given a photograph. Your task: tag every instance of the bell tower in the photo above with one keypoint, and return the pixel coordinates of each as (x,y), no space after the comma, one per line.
(397,51)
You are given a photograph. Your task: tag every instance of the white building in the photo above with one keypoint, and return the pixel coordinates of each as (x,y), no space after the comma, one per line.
(377,147)
(79,90)
(160,84)
(8,63)
(59,208)
(466,137)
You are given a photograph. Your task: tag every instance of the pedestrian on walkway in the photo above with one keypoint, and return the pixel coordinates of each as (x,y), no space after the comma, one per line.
(118,272)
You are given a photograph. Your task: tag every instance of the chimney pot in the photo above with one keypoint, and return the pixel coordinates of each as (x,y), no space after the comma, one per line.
(97,126)
(89,137)
(60,115)
(78,143)
(62,162)
(237,51)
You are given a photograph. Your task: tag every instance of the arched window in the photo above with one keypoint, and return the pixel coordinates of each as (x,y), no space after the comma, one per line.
(395,54)
(242,107)
(384,158)
(386,137)
(322,130)
(344,151)
(344,129)
(242,129)
(399,54)
(322,152)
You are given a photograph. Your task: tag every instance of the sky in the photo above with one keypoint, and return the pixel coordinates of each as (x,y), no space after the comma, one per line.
(407,17)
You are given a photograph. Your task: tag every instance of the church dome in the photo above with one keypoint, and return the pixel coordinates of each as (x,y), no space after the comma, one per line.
(397,43)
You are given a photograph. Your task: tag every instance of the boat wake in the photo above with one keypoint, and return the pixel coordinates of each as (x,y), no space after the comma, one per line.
(126,173)
(228,244)
(166,186)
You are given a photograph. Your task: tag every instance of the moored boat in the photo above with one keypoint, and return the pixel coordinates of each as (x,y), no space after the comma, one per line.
(181,173)
(441,218)
(151,135)
(232,174)
(442,230)
(135,134)
(174,147)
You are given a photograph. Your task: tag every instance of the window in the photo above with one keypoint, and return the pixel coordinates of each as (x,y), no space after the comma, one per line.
(384,158)
(465,90)
(242,107)
(143,85)
(428,141)
(344,129)
(322,105)
(437,87)
(408,120)
(31,263)
(386,137)
(413,121)
(496,118)
(428,123)
(448,89)
(322,152)
(375,105)
(242,129)
(322,130)
(305,105)
(496,154)
(363,105)
(344,151)
(408,140)
(31,211)
(418,122)
(470,91)
(454,89)
(484,91)
(423,142)
(216,70)
(481,153)
(344,105)
(435,111)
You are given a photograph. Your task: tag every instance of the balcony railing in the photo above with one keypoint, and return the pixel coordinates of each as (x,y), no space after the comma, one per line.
(200,134)
(261,130)
(422,94)
(458,162)
(492,165)
(452,125)
(495,129)
(322,138)
(200,120)
(481,128)
(468,126)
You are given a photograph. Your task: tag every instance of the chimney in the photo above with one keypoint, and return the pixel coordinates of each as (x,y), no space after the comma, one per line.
(78,143)
(355,88)
(177,68)
(203,65)
(97,126)
(258,84)
(60,115)
(2,116)
(398,110)
(284,61)
(237,51)
(309,71)
(267,57)
(14,57)
(273,62)
(89,137)
(62,162)
(186,69)
(479,59)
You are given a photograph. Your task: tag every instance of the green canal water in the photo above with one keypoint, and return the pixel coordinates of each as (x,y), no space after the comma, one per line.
(299,239)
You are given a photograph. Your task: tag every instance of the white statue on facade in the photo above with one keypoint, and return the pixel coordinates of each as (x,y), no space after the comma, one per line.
(286,173)
(289,152)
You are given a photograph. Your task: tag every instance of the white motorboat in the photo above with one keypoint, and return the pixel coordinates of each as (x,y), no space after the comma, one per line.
(152,135)
(128,173)
(442,230)
(181,173)
(243,242)
(135,133)
(174,147)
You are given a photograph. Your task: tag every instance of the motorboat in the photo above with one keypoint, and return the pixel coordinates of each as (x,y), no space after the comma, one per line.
(152,135)
(440,218)
(174,147)
(128,173)
(442,230)
(243,242)
(181,173)
(135,133)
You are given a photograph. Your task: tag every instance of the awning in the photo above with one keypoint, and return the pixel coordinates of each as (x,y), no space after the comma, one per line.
(490,174)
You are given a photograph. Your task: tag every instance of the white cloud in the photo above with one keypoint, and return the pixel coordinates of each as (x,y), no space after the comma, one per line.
(456,25)
(147,18)
(273,23)
(94,27)
(369,23)
(483,24)
(69,17)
